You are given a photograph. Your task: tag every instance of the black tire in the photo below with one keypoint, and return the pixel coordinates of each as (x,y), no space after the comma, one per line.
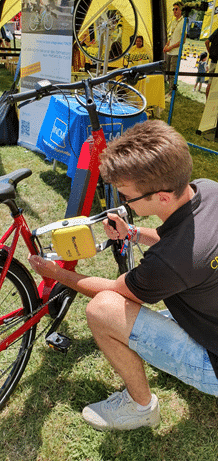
(18,290)
(117,100)
(125,263)
(108,198)
(104,15)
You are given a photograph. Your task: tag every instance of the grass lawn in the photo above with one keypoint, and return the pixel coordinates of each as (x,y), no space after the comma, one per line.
(42,420)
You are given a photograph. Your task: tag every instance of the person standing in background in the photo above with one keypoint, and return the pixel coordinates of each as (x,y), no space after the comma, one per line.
(212,48)
(202,67)
(172,46)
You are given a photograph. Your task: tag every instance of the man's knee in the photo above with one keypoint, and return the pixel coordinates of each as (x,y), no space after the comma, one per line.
(97,311)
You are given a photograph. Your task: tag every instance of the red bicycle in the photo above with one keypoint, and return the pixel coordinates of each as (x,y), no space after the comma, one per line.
(23,304)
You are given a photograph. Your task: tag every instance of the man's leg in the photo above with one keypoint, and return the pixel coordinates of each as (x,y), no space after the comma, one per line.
(167,59)
(208,90)
(173,64)
(111,318)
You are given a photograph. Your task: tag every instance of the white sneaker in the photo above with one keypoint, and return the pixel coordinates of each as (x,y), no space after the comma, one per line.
(121,412)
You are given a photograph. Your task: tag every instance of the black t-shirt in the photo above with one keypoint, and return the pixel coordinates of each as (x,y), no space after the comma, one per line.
(182,268)
(214,46)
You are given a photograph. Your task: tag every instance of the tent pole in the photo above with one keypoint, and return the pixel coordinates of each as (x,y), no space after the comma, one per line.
(157,25)
(210,151)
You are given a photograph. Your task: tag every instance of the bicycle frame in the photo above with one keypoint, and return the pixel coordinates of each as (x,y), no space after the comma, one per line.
(19,227)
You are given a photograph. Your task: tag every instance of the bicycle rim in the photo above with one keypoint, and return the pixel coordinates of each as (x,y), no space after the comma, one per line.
(48,21)
(93,18)
(34,21)
(115,100)
(17,292)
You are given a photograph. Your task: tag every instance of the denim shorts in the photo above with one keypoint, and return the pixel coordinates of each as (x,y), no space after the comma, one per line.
(160,341)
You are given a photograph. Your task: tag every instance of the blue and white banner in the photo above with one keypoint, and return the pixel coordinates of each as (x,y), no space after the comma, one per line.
(46,53)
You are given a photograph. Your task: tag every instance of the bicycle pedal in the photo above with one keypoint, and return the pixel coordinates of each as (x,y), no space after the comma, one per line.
(59,342)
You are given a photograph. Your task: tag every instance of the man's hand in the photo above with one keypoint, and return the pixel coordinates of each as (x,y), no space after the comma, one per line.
(44,268)
(121,227)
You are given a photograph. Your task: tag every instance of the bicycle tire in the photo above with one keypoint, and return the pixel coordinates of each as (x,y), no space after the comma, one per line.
(104,15)
(47,21)
(108,198)
(17,290)
(34,21)
(127,262)
(115,99)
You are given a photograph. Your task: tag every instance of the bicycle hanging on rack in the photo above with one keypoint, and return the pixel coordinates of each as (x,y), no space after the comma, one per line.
(41,19)
(23,304)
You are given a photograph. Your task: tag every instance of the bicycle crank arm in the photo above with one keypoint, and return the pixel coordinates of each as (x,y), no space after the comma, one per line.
(64,309)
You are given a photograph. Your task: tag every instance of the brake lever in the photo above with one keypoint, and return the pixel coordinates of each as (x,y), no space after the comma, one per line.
(131,77)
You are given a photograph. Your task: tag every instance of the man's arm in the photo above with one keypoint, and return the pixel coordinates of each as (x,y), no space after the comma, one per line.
(166,46)
(207,44)
(171,47)
(147,236)
(176,45)
(88,286)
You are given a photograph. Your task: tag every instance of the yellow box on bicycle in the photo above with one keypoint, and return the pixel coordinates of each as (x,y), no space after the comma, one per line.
(73,243)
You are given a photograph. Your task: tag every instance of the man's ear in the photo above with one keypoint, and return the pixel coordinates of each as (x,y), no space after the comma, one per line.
(164,197)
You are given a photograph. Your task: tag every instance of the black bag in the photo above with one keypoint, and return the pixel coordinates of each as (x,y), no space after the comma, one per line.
(9,123)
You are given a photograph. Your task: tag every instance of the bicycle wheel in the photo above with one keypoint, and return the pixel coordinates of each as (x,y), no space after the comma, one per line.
(115,100)
(97,21)
(34,21)
(18,291)
(47,21)
(127,262)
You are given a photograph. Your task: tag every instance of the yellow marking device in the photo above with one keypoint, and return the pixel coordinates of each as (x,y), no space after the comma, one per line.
(73,238)
(75,242)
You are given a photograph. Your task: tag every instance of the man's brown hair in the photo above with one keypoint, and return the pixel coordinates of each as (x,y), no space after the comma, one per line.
(152,155)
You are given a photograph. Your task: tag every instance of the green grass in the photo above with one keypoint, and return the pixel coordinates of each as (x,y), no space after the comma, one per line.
(42,420)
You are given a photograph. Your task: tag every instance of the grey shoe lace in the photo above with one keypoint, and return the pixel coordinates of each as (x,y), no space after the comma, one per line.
(116,400)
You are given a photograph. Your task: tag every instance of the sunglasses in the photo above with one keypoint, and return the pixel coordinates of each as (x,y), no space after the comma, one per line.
(175,9)
(124,200)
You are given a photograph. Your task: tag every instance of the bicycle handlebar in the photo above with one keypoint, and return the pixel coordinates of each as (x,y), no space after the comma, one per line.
(45,88)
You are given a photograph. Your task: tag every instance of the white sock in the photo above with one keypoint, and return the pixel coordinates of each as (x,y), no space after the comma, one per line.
(140,407)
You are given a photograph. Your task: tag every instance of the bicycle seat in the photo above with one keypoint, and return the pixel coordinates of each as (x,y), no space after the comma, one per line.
(8,183)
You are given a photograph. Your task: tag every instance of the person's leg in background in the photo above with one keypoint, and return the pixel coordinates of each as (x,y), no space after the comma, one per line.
(173,64)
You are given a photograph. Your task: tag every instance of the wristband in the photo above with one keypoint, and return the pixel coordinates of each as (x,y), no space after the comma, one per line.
(132,231)
(137,235)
